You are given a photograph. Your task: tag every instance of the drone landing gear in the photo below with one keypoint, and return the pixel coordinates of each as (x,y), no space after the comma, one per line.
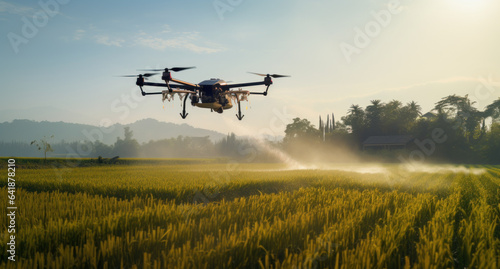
(263,93)
(184,114)
(239,116)
(267,88)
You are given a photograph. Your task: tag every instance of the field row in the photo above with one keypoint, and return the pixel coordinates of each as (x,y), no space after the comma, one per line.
(215,182)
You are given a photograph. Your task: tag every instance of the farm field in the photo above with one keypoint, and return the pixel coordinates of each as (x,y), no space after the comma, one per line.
(202,214)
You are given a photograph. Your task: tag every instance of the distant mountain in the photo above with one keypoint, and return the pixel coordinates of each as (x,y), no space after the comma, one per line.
(41,113)
(143,131)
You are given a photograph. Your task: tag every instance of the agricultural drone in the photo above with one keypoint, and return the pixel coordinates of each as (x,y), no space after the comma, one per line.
(215,94)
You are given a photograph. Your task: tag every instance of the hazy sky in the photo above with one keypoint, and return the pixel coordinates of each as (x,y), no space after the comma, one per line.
(63,56)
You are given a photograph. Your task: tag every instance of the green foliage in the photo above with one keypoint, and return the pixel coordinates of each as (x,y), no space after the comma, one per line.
(127,147)
(467,118)
(43,145)
(300,129)
(491,146)
(468,139)
(493,110)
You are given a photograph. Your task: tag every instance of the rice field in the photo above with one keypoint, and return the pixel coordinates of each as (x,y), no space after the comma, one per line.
(230,215)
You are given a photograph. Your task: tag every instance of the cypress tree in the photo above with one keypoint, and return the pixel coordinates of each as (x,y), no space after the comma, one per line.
(333,122)
(327,129)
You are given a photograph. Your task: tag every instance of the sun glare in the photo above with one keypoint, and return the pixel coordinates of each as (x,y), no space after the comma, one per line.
(470,4)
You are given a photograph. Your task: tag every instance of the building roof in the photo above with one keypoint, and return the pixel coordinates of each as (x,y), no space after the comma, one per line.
(429,115)
(388,140)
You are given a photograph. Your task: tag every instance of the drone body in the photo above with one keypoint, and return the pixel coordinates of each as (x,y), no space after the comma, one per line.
(211,96)
(215,94)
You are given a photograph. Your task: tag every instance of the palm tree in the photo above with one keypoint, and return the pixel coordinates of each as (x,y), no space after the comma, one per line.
(374,116)
(393,117)
(356,119)
(355,110)
(409,115)
(414,110)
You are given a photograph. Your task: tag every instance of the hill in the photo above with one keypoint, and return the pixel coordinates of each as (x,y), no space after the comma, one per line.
(143,130)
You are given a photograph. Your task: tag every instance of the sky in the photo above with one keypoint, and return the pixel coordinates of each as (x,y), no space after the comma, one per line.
(61,58)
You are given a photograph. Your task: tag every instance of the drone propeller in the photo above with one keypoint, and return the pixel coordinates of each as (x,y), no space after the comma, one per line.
(174,69)
(269,75)
(145,75)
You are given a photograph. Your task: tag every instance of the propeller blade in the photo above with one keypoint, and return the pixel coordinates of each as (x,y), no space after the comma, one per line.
(177,69)
(263,75)
(154,70)
(149,74)
(269,75)
(279,76)
(145,75)
(174,69)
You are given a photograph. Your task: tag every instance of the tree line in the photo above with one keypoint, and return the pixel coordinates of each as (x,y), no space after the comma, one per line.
(128,147)
(469,137)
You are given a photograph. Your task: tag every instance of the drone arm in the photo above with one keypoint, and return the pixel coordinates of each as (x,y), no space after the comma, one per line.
(154,84)
(242,85)
(163,85)
(184,83)
(185,87)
